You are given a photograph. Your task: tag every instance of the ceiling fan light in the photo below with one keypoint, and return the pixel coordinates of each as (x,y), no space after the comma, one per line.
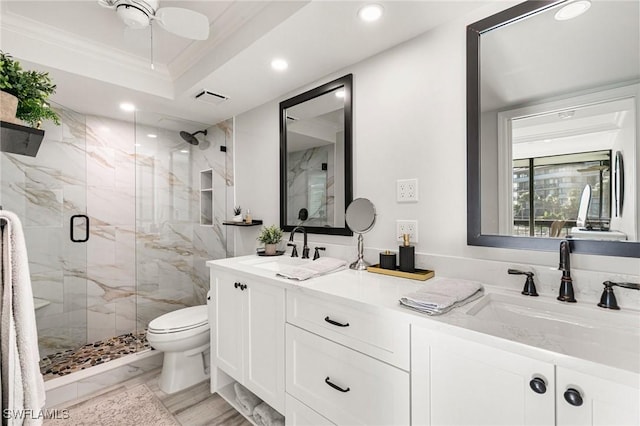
(132,16)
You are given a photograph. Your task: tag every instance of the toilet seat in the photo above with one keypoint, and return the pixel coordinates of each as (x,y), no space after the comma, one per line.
(185,319)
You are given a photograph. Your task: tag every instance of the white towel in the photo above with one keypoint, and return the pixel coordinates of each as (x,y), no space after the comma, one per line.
(264,415)
(246,400)
(22,384)
(324,265)
(442,295)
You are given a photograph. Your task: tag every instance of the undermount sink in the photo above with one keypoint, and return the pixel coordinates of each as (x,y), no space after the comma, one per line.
(563,323)
(276,264)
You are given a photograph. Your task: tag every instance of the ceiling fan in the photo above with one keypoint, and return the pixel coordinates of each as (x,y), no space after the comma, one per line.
(138,14)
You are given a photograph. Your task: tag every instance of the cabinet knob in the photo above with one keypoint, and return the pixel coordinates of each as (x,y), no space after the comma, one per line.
(573,397)
(538,385)
(336,387)
(236,284)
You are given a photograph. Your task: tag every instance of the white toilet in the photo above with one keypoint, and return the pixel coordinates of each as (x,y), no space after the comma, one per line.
(183,336)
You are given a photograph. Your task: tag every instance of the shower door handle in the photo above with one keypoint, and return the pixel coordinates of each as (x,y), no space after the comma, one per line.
(86,228)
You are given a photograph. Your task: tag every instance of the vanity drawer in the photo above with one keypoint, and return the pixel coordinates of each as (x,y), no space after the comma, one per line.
(343,385)
(298,414)
(370,330)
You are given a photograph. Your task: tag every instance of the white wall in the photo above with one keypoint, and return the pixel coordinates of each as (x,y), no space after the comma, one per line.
(409,122)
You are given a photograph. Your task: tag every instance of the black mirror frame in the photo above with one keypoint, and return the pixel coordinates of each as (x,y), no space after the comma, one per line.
(474,231)
(347,83)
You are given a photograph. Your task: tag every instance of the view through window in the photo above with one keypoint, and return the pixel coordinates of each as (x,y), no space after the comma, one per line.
(547,191)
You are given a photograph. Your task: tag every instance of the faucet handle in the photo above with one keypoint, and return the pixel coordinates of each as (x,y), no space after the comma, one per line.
(632,286)
(294,252)
(529,285)
(316,254)
(608,298)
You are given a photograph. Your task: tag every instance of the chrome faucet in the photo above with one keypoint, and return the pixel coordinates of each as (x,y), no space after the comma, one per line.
(305,247)
(566,284)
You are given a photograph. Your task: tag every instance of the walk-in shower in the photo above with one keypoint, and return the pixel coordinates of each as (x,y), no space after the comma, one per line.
(141,251)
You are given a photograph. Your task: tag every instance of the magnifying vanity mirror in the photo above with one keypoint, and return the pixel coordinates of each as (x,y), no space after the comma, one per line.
(548,116)
(315,159)
(360,216)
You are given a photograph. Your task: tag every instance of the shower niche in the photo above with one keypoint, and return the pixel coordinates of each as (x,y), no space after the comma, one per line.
(206,197)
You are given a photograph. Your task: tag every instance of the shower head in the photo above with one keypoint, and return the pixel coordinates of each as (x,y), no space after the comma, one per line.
(191,137)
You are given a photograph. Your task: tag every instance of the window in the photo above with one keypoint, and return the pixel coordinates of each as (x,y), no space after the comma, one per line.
(548,189)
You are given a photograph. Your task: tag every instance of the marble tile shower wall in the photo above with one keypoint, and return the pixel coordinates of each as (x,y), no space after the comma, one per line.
(44,192)
(146,252)
(304,167)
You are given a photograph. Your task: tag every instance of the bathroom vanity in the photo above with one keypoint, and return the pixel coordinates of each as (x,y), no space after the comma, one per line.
(339,349)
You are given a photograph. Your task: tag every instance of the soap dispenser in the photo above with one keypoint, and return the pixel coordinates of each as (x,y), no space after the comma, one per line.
(407,255)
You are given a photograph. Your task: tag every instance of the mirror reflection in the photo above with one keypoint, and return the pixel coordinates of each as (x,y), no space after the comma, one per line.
(552,109)
(315,159)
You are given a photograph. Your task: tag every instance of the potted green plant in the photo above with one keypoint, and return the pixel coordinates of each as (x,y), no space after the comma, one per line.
(32,90)
(237,214)
(270,236)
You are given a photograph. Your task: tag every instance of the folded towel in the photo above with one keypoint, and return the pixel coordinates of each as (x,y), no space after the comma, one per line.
(316,268)
(246,400)
(441,296)
(264,415)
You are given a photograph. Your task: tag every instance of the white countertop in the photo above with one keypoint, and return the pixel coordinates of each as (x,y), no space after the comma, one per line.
(587,353)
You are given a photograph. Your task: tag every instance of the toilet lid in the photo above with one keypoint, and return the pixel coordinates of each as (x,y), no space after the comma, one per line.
(180,320)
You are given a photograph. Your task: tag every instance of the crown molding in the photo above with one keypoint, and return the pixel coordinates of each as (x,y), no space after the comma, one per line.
(53,47)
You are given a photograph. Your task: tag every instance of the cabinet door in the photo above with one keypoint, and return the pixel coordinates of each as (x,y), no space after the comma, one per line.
(264,342)
(601,402)
(475,384)
(229,307)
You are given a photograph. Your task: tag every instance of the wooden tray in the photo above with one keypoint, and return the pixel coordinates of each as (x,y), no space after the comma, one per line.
(419,274)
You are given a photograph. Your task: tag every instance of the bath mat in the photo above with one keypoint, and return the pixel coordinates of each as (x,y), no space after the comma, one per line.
(136,406)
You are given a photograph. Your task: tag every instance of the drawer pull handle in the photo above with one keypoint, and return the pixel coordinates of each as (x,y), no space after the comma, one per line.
(336,387)
(336,323)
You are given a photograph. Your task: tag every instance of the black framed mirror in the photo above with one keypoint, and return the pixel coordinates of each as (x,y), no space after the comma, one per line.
(527,63)
(316,177)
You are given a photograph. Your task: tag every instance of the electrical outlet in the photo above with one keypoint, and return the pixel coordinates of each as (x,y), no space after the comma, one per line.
(407,190)
(407,227)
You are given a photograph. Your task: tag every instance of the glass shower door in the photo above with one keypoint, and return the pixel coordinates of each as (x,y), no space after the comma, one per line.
(45,191)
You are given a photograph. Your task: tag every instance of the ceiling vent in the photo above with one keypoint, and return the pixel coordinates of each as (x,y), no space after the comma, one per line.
(211,97)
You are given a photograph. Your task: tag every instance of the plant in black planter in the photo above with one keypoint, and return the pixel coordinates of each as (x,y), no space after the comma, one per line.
(32,89)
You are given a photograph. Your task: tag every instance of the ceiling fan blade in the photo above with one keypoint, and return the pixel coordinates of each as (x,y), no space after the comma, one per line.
(183,22)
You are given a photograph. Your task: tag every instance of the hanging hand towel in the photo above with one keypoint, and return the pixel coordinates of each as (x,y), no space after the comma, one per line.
(22,383)
(442,295)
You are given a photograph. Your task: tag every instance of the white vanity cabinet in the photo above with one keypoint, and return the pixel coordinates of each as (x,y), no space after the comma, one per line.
(459,382)
(249,334)
(585,400)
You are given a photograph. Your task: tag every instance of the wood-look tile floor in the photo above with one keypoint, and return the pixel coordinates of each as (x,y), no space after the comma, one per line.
(194,406)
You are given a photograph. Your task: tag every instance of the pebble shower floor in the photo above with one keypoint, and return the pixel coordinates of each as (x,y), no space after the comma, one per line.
(91,354)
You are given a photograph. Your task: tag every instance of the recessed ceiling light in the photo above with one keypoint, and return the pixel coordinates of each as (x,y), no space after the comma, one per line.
(572,10)
(152,136)
(279,64)
(125,106)
(184,151)
(370,12)
(340,93)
